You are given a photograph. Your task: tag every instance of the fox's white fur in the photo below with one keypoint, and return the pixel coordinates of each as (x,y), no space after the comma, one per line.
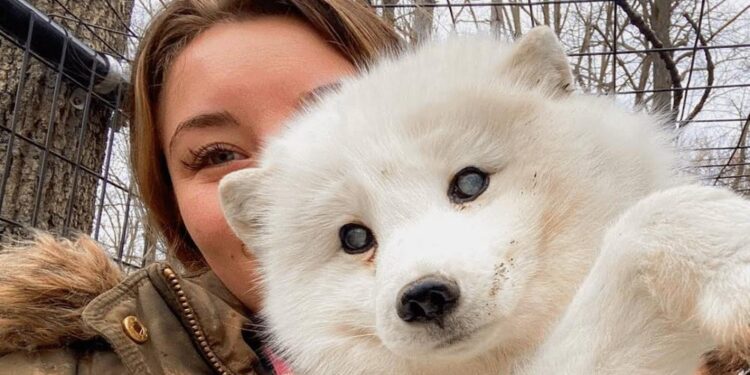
(586,254)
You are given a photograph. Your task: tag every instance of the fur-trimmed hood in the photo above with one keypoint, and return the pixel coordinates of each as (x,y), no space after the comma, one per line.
(65,304)
(45,283)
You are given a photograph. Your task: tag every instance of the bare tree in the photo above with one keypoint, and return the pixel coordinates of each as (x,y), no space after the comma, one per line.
(42,189)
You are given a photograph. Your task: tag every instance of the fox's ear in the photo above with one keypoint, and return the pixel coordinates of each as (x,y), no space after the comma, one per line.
(242,204)
(539,60)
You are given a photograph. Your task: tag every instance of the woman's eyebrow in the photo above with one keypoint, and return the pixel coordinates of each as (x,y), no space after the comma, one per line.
(204,120)
(315,94)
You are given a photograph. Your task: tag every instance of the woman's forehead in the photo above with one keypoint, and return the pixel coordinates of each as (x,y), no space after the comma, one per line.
(251,65)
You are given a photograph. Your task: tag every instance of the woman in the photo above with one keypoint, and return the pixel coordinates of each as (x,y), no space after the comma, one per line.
(211,81)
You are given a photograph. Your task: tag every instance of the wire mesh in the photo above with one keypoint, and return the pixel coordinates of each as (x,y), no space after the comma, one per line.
(63,147)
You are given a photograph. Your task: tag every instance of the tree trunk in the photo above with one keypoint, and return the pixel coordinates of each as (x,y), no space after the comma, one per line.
(660,17)
(516,13)
(66,190)
(741,160)
(423,18)
(497,24)
(389,13)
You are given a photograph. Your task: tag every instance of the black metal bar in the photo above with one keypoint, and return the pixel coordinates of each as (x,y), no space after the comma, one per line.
(719,165)
(125,224)
(107,161)
(728,148)
(719,120)
(49,39)
(48,138)
(79,150)
(743,133)
(531,14)
(718,159)
(17,106)
(103,99)
(734,86)
(666,49)
(614,47)
(487,4)
(450,11)
(720,177)
(692,60)
(11,222)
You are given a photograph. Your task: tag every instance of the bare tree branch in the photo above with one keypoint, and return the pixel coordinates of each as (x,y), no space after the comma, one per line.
(709,68)
(740,140)
(637,21)
(729,22)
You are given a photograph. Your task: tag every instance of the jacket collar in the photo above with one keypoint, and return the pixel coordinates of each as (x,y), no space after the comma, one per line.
(191,314)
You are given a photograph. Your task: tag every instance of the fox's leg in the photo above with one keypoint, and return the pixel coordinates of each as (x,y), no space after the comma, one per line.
(672,281)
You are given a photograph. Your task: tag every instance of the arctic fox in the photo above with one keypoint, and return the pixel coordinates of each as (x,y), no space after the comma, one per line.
(460,210)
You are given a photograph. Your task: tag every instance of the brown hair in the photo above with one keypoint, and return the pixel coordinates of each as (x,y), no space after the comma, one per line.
(354,29)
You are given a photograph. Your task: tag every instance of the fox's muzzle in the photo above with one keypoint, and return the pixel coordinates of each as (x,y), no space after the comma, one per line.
(428,299)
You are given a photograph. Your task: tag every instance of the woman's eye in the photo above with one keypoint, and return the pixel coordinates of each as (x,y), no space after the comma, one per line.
(212,155)
(356,239)
(221,157)
(468,184)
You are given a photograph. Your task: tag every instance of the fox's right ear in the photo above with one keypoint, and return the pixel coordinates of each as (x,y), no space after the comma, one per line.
(539,60)
(241,202)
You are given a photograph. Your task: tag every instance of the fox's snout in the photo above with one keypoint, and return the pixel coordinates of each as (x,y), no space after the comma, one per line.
(427,299)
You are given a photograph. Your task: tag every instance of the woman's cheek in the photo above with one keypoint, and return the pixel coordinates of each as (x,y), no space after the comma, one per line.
(222,250)
(202,215)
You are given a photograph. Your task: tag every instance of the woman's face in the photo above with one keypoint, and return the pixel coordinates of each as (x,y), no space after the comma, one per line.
(225,93)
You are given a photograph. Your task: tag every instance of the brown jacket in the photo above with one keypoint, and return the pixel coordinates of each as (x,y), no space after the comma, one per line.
(65,309)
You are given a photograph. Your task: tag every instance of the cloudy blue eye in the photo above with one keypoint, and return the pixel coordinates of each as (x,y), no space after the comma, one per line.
(468,184)
(356,238)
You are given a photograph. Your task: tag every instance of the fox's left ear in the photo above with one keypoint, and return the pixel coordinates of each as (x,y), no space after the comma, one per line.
(539,60)
(241,202)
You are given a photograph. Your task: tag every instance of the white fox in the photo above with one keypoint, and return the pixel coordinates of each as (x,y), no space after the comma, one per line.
(459,210)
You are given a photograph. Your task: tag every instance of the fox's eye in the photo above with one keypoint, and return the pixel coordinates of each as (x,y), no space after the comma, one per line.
(356,239)
(468,184)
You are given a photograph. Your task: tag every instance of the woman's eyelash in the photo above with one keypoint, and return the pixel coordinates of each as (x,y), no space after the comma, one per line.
(200,158)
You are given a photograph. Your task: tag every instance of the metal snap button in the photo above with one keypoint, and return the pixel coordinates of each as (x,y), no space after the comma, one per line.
(134,329)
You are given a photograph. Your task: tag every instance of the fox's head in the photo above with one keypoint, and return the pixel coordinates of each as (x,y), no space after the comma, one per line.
(440,208)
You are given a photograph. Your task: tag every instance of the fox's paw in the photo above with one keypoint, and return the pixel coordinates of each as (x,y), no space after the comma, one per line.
(690,248)
(723,308)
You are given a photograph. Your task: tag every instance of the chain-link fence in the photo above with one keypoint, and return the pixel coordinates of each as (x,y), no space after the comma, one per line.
(63,131)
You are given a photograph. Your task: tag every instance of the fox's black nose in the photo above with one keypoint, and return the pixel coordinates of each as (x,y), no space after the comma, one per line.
(426,299)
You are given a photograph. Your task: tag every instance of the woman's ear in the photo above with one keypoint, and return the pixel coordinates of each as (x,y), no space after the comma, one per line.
(538,60)
(241,203)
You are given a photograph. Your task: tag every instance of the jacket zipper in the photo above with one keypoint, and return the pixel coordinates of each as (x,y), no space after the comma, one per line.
(195,329)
